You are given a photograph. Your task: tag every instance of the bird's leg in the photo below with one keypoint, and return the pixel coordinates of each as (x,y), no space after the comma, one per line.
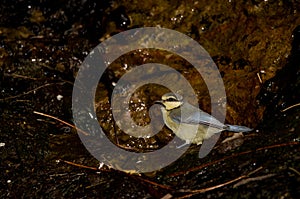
(186,143)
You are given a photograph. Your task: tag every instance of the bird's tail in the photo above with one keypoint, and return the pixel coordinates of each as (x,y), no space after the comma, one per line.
(236,128)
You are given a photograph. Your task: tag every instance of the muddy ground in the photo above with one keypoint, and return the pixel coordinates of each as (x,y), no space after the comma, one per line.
(255,45)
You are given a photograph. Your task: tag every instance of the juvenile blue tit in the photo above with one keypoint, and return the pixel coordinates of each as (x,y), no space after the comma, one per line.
(177,112)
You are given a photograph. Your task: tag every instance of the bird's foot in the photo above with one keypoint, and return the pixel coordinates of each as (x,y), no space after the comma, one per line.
(184,144)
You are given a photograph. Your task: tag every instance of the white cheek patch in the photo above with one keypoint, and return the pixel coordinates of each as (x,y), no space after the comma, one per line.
(172,105)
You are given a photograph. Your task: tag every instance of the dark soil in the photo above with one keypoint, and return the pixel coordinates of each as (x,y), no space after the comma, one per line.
(256,46)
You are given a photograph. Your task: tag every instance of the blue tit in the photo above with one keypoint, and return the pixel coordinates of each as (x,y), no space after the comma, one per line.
(177,112)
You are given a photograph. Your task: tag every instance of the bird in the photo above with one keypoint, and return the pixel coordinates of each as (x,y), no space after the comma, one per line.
(190,123)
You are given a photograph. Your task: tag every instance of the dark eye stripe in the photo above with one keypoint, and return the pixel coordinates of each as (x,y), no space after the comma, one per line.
(171,100)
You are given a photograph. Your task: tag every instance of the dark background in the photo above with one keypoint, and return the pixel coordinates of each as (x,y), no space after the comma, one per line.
(42,44)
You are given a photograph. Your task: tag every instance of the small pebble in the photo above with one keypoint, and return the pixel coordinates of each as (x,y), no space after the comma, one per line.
(59,97)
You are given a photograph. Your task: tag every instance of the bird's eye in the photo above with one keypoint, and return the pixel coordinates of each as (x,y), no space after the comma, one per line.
(171,100)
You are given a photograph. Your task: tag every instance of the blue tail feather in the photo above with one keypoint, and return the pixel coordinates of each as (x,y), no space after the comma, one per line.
(236,128)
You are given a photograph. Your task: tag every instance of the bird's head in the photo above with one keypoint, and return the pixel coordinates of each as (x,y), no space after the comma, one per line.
(171,101)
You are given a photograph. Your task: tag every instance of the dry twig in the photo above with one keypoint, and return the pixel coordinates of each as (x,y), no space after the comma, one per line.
(232,156)
(125,173)
(30,91)
(295,105)
(66,123)
(194,192)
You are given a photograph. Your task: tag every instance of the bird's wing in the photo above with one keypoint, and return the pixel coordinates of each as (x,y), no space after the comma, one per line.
(193,115)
